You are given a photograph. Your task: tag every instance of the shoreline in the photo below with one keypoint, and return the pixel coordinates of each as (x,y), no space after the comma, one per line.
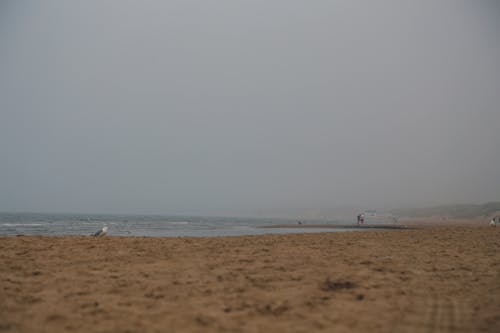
(338,226)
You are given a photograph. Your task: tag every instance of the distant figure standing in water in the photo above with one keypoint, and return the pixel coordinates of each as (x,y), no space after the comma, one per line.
(361,219)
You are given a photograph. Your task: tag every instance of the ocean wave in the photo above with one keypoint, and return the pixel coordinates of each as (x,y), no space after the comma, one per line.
(21,224)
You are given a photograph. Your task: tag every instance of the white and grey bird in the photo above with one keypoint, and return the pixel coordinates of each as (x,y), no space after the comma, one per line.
(101,232)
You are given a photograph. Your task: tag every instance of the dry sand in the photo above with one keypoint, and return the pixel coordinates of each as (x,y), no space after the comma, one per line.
(444,279)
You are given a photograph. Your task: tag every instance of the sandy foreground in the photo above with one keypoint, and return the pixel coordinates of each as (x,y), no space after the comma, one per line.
(443,279)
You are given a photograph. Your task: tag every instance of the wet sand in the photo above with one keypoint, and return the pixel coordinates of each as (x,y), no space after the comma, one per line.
(442,279)
(337,226)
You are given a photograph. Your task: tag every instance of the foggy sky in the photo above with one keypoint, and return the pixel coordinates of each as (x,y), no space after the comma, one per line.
(248,107)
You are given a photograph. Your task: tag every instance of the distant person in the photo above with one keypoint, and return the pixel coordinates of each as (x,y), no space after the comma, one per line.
(361,219)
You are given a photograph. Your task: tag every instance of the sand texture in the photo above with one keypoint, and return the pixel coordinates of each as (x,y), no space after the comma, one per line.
(444,279)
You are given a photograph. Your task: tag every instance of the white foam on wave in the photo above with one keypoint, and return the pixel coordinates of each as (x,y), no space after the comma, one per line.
(21,224)
(242,227)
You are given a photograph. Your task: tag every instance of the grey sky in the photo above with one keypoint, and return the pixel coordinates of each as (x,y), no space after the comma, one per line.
(248,107)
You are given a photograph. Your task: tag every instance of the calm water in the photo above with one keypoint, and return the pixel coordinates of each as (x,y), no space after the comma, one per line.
(138,225)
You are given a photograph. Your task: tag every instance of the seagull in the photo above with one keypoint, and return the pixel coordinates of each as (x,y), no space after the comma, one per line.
(101,232)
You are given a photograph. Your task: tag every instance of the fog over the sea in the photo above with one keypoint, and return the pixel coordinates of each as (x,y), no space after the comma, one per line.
(248,107)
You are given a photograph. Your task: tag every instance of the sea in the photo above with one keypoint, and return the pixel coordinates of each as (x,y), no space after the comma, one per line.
(12,224)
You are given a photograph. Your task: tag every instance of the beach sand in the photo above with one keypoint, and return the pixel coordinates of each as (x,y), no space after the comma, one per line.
(441,279)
